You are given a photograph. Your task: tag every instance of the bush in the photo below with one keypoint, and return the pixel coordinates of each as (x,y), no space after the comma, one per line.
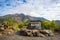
(24,24)
(49,25)
(46,25)
(53,25)
(17,29)
(21,25)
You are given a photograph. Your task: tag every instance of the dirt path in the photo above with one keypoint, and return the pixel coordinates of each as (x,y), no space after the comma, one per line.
(19,37)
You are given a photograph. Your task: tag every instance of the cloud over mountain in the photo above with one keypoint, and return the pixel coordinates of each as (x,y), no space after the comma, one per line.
(49,9)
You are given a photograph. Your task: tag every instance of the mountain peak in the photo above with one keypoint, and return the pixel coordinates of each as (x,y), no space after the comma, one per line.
(22,17)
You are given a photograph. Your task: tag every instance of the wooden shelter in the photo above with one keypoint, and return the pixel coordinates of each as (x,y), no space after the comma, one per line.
(35,24)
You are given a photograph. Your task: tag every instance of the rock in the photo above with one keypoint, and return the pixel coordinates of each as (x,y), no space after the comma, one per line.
(1,28)
(35,32)
(9,33)
(4,33)
(0,34)
(47,32)
(51,34)
(41,35)
(29,33)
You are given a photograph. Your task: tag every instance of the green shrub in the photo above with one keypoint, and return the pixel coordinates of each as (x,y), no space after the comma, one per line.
(21,25)
(17,28)
(46,25)
(49,25)
(26,23)
(53,25)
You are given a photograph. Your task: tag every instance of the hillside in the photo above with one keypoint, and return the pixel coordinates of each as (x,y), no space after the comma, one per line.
(57,22)
(20,18)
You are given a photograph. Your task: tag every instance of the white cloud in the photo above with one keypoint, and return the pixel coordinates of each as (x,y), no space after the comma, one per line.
(49,9)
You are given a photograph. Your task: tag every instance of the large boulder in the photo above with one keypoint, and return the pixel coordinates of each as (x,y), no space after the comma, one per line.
(29,32)
(26,32)
(38,34)
(47,32)
(35,32)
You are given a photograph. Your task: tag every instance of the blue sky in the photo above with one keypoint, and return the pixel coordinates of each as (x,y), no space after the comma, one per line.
(49,9)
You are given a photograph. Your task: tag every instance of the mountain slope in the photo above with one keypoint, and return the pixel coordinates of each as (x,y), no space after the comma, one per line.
(57,22)
(20,17)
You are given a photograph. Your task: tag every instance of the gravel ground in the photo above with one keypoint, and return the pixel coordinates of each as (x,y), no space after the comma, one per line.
(19,37)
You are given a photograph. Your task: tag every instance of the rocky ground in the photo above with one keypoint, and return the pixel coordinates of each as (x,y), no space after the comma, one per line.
(19,37)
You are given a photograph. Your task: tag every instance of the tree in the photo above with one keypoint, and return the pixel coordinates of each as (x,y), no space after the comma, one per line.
(26,23)
(46,24)
(49,25)
(10,22)
(21,25)
(52,25)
